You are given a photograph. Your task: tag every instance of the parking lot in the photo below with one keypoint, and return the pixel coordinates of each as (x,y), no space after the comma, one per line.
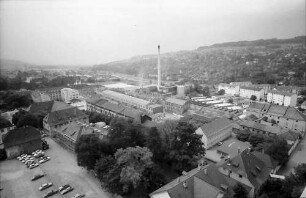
(62,169)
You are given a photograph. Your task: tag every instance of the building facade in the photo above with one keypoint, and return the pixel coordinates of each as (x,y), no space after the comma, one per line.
(282,98)
(175,105)
(68,94)
(232,90)
(247,92)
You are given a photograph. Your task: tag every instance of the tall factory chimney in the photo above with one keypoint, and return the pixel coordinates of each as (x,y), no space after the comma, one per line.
(158,69)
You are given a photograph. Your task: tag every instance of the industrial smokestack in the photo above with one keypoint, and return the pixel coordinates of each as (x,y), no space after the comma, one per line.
(158,69)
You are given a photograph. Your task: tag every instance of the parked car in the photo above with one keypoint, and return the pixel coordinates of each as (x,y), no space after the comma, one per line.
(35,177)
(63,187)
(220,143)
(50,193)
(33,165)
(67,190)
(43,159)
(45,186)
(78,196)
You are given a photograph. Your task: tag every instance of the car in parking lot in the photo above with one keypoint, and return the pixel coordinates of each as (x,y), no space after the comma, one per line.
(33,165)
(63,187)
(220,143)
(45,186)
(50,193)
(36,177)
(43,159)
(78,196)
(67,190)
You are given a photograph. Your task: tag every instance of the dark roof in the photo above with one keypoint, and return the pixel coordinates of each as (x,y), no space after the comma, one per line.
(215,126)
(64,115)
(41,107)
(21,135)
(283,93)
(249,166)
(4,123)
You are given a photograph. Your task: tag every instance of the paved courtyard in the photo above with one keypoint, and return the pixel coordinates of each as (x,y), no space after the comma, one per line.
(61,169)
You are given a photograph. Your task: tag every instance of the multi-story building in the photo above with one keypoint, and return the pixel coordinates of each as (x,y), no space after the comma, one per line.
(247,92)
(53,92)
(245,83)
(175,105)
(215,131)
(287,117)
(78,103)
(57,114)
(132,101)
(282,98)
(68,94)
(40,96)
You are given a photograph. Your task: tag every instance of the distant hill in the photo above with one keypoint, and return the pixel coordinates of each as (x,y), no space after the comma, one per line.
(257,61)
(6,64)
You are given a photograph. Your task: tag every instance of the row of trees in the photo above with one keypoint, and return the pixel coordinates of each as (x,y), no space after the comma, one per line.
(291,187)
(131,157)
(275,146)
(11,100)
(24,118)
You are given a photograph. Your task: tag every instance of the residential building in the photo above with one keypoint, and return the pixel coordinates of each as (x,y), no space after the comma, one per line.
(132,101)
(290,89)
(40,96)
(229,89)
(215,131)
(53,92)
(69,134)
(249,168)
(232,147)
(22,140)
(245,83)
(68,94)
(247,92)
(287,117)
(282,98)
(204,181)
(175,105)
(56,114)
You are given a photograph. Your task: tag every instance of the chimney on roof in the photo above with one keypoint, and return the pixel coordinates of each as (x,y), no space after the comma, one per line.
(239,150)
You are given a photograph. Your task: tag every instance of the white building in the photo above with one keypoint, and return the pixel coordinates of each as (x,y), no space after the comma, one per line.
(215,131)
(80,104)
(68,94)
(282,98)
(229,89)
(247,92)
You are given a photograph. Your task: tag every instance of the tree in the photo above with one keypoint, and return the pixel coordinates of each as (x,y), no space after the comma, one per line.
(88,150)
(206,91)
(221,92)
(255,139)
(240,191)
(186,147)
(103,166)
(243,135)
(24,118)
(253,97)
(279,151)
(155,143)
(230,100)
(134,161)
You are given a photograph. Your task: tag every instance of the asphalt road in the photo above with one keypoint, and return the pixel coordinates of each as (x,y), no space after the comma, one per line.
(61,169)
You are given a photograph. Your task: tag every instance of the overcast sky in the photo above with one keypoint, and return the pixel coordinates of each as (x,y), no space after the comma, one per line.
(94,32)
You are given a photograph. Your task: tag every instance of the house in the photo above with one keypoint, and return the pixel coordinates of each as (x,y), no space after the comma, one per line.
(67,94)
(22,140)
(56,114)
(78,103)
(244,83)
(69,134)
(204,181)
(40,97)
(215,131)
(287,117)
(249,168)
(175,105)
(232,147)
(282,98)
(53,92)
(247,92)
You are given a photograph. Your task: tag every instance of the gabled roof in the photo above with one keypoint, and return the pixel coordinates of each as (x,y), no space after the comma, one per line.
(176,101)
(41,107)
(4,123)
(64,115)
(257,105)
(75,129)
(208,179)
(21,135)
(294,114)
(250,167)
(290,135)
(215,126)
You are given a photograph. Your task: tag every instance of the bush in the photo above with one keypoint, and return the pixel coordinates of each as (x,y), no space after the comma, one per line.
(2,154)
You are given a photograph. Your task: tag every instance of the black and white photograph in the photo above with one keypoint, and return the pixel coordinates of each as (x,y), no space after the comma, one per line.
(152,98)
